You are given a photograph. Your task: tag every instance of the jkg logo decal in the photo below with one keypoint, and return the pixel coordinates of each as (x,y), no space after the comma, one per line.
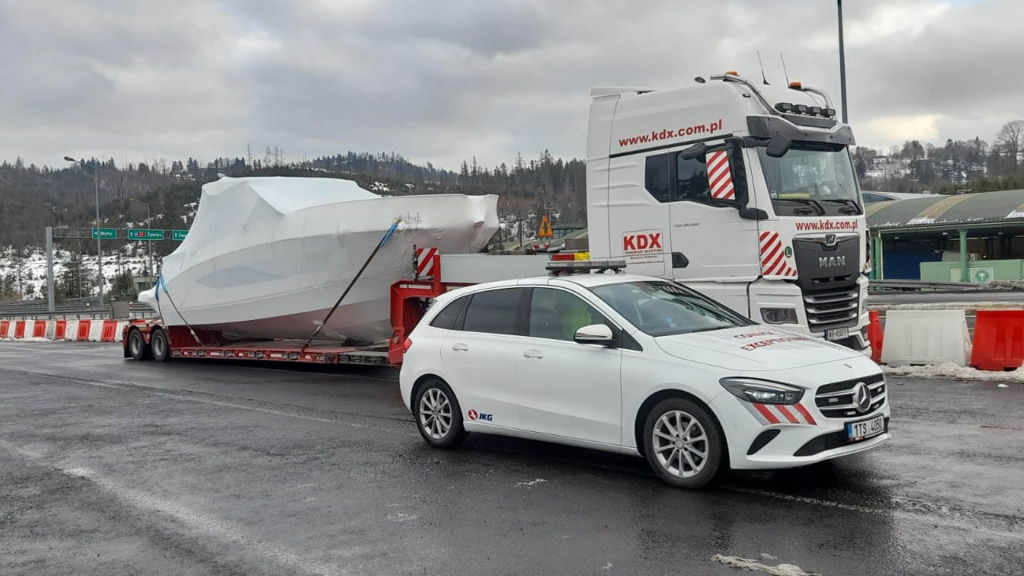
(474,415)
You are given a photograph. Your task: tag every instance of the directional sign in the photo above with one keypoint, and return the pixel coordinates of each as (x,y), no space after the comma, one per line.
(104,233)
(72,233)
(178,235)
(145,234)
(545,228)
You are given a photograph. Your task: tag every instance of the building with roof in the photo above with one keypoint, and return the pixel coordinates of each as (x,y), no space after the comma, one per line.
(964,238)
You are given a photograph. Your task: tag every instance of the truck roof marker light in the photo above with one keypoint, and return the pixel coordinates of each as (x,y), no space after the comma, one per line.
(814,110)
(828,112)
(796,85)
(800,108)
(732,73)
(784,107)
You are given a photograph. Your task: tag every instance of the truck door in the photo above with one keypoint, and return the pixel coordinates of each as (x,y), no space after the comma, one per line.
(710,242)
(638,224)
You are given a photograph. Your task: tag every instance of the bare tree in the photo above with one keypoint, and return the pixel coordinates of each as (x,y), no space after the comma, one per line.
(1011,139)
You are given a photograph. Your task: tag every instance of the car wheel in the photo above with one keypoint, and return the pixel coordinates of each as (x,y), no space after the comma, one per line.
(683,444)
(438,415)
(137,346)
(159,346)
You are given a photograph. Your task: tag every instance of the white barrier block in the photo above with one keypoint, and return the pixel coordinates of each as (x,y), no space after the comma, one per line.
(51,330)
(926,337)
(95,330)
(71,330)
(119,331)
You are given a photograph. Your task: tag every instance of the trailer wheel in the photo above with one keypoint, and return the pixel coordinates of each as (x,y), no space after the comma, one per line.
(137,346)
(158,343)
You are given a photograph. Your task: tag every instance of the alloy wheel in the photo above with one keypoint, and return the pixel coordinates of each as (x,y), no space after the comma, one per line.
(435,413)
(680,444)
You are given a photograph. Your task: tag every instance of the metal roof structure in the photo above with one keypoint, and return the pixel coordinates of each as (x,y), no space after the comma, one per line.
(1004,208)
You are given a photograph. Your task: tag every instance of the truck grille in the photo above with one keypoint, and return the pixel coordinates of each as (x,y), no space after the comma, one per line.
(836,400)
(832,308)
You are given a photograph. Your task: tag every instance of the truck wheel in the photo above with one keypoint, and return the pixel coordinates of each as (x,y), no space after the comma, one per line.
(137,346)
(438,415)
(158,343)
(682,444)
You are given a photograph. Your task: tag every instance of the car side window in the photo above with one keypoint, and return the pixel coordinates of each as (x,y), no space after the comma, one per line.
(557,314)
(447,317)
(657,177)
(493,311)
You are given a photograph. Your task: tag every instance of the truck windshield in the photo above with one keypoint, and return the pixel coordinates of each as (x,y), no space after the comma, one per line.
(665,308)
(811,180)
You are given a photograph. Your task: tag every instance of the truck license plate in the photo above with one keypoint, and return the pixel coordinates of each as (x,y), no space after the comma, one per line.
(837,334)
(857,431)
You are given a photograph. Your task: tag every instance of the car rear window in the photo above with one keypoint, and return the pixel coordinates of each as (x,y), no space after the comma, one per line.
(493,311)
(447,317)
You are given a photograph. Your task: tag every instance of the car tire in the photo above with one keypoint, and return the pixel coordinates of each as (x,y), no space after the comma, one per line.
(159,345)
(137,346)
(438,415)
(676,434)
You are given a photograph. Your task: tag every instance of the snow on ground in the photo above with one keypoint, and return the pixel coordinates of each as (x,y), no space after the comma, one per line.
(949,306)
(133,257)
(950,371)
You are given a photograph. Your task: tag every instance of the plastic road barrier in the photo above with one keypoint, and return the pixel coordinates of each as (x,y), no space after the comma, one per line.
(19,330)
(96,331)
(875,336)
(83,329)
(5,326)
(59,329)
(107,333)
(998,340)
(926,337)
(71,330)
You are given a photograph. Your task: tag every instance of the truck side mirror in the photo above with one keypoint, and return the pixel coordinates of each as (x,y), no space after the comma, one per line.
(778,146)
(695,151)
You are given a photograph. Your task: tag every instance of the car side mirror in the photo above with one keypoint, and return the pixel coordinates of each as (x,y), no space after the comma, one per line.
(594,334)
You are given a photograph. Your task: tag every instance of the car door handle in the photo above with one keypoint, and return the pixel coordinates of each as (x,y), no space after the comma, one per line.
(533,354)
(460,347)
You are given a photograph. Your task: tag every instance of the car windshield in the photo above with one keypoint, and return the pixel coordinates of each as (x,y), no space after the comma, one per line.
(811,180)
(661,308)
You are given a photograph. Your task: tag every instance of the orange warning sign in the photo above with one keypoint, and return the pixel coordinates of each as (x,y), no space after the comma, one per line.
(545,228)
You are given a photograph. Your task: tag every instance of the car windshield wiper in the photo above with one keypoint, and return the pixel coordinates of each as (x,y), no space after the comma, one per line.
(807,201)
(851,203)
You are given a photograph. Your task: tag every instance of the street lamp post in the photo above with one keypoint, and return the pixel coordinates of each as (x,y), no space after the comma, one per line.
(842,62)
(149,221)
(99,249)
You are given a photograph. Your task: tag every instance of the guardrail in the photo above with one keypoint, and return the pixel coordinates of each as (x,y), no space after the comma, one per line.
(920,286)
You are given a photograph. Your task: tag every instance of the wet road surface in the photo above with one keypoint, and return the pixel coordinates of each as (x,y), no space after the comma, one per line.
(115,467)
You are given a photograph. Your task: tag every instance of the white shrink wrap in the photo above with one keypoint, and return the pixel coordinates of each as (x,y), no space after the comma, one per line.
(269,257)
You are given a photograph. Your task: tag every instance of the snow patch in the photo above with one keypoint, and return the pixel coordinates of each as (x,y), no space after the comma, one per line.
(951,371)
(530,484)
(755,566)
(949,306)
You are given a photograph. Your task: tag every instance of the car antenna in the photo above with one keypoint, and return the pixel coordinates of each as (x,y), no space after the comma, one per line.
(783,58)
(759,63)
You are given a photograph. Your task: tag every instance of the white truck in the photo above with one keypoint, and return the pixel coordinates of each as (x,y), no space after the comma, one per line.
(745,193)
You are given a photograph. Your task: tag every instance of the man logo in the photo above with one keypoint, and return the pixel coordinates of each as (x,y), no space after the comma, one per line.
(831,240)
(831,261)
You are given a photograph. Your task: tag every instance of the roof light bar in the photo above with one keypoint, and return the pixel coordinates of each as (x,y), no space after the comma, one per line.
(560,267)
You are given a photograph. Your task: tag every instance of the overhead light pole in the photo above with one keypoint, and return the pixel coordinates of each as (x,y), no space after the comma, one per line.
(842,62)
(99,249)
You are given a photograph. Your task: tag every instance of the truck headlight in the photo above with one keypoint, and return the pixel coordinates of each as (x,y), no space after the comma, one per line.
(762,391)
(778,315)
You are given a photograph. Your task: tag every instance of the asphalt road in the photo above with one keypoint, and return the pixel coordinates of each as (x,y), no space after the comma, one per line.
(114,467)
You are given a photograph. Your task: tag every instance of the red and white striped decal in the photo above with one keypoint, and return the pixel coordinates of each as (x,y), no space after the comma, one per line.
(720,176)
(773,256)
(782,414)
(425,261)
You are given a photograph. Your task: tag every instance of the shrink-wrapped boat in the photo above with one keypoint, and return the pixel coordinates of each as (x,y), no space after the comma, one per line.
(269,257)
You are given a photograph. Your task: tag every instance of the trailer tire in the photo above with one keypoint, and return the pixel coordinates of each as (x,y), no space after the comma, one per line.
(160,346)
(137,346)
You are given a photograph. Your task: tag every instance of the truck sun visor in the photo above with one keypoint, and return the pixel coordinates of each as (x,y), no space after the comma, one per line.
(771,128)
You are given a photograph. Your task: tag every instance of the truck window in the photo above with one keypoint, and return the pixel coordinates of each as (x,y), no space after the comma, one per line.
(657,177)
(691,180)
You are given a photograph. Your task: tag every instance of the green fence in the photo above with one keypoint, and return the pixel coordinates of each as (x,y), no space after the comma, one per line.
(980,271)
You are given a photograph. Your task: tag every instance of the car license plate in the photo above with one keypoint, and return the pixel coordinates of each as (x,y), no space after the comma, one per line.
(837,333)
(857,431)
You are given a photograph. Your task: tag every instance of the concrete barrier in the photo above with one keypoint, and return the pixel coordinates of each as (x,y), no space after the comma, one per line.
(926,337)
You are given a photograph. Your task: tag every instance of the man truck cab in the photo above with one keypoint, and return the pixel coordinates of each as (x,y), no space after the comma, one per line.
(745,193)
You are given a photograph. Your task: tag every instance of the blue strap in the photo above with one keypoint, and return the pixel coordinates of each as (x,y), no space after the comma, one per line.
(388,235)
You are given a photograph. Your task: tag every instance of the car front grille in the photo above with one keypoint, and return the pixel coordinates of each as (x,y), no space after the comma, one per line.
(836,400)
(832,308)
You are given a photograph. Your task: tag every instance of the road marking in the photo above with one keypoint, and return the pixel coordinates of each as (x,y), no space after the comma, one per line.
(196,521)
(179,395)
(755,566)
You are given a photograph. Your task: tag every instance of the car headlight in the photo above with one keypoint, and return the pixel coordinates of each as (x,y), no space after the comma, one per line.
(762,391)
(778,315)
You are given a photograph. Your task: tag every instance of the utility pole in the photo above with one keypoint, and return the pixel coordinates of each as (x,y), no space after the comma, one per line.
(99,248)
(49,270)
(842,63)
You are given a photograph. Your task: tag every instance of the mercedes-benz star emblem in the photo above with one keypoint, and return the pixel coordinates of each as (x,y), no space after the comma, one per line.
(861,397)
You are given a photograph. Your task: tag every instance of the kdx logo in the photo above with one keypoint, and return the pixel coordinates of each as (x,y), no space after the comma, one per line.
(641,241)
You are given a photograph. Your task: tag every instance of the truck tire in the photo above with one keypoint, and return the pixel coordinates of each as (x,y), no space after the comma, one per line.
(438,415)
(682,443)
(137,346)
(160,346)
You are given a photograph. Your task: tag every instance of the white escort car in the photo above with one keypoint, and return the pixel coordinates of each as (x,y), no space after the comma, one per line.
(641,366)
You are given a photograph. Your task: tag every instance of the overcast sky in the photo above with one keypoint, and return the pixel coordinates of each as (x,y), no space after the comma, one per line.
(442,81)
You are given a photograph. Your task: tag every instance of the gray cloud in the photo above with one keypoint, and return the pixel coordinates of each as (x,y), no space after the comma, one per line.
(443,81)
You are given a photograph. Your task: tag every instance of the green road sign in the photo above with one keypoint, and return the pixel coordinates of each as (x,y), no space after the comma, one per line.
(178,235)
(145,234)
(104,233)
